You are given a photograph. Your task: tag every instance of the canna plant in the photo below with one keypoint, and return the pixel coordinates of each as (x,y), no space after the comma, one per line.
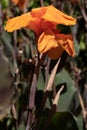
(50,43)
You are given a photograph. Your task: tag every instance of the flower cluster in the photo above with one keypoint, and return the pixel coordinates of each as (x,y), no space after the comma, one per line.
(43,21)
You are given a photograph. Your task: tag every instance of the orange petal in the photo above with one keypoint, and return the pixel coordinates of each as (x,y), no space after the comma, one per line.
(66,42)
(48,44)
(25,20)
(54,15)
(39,20)
(19,22)
(55,53)
(32,20)
(39,12)
(55,44)
(35,25)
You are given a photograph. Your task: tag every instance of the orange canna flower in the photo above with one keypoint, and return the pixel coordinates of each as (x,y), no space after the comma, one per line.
(43,21)
(55,44)
(21,3)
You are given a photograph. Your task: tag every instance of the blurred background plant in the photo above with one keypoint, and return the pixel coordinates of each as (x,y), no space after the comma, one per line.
(60,98)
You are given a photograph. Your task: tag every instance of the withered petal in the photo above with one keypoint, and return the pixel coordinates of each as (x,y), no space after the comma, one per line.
(66,42)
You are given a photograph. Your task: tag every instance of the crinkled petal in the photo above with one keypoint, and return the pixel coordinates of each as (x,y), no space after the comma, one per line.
(32,20)
(66,42)
(40,19)
(48,44)
(55,44)
(56,16)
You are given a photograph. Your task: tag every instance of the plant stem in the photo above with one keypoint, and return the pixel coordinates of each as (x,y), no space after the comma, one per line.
(33,91)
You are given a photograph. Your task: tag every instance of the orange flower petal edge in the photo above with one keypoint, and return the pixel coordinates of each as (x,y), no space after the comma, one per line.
(55,45)
(48,44)
(37,18)
(18,22)
(30,20)
(39,12)
(56,16)
(66,42)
